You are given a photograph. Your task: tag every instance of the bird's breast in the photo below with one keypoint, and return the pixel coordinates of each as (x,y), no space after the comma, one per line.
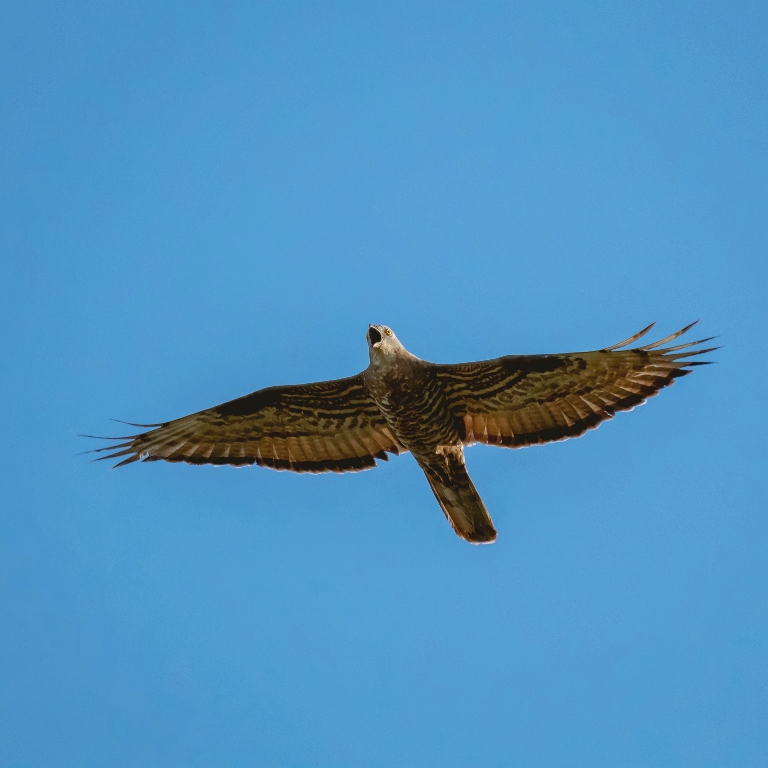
(416,410)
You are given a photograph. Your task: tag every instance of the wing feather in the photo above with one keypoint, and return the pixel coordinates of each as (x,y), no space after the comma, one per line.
(531,399)
(330,426)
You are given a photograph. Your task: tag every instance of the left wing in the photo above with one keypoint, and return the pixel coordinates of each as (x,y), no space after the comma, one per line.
(524,400)
(330,426)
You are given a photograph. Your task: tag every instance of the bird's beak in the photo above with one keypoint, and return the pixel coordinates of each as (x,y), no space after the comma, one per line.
(374,336)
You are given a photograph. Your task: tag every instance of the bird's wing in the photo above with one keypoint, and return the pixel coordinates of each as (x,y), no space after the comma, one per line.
(330,426)
(532,399)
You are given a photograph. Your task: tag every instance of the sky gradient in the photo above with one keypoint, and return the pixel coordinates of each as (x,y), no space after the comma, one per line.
(199,201)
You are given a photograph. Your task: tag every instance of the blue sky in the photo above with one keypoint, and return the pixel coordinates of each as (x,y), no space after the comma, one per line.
(199,201)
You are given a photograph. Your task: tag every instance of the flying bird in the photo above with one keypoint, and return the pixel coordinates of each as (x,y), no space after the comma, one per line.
(400,403)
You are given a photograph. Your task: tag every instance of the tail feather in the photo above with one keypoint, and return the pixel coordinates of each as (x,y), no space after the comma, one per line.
(463,507)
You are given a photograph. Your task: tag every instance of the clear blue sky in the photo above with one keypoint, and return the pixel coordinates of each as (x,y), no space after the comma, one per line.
(203,199)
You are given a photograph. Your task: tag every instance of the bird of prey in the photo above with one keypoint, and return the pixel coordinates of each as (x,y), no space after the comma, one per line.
(400,403)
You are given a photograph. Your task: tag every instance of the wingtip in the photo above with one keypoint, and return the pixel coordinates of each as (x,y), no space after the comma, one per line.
(134,424)
(632,338)
(129,460)
(694,353)
(671,337)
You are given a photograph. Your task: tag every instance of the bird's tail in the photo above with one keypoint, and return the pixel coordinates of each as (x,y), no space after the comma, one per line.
(463,506)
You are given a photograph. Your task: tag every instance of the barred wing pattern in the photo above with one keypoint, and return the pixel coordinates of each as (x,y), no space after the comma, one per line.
(534,399)
(330,426)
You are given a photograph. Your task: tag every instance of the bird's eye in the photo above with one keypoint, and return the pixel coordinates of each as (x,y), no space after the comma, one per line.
(387,331)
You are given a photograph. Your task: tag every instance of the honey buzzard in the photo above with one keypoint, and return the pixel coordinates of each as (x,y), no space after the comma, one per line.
(400,403)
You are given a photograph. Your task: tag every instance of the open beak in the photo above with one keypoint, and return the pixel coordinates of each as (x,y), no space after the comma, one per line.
(373,335)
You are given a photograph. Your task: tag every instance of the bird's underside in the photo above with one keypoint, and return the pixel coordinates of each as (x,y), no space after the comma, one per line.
(400,403)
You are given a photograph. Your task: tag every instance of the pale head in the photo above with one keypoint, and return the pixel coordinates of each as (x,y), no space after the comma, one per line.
(383,344)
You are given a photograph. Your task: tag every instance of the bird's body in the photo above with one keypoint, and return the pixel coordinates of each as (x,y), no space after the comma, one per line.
(413,402)
(401,403)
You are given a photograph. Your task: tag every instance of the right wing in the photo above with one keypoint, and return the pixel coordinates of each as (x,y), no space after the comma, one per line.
(330,426)
(532,399)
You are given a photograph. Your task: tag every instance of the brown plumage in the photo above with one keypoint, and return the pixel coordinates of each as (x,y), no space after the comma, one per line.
(401,403)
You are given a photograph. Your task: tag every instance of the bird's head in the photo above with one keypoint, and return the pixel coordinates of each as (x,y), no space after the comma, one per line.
(382,342)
